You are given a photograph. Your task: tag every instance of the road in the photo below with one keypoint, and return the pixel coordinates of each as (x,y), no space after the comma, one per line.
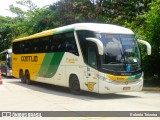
(16,96)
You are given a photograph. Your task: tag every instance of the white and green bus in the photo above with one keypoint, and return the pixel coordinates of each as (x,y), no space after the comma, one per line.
(6,62)
(100,58)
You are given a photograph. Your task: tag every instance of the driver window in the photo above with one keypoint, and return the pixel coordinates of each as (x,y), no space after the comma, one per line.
(92,59)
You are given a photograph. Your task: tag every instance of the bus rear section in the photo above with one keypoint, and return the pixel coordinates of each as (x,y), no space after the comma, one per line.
(6,62)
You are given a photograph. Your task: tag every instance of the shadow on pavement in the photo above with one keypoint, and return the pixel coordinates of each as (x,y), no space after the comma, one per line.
(62,91)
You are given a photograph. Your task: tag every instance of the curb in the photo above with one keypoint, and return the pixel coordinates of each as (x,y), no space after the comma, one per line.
(151,89)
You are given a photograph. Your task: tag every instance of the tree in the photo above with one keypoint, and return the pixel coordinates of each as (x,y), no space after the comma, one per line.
(120,11)
(30,5)
(147,27)
(23,22)
(18,26)
(5,37)
(151,32)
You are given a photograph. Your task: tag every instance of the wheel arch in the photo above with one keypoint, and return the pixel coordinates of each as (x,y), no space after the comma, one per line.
(71,75)
(20,70)
(74,84)
(26,70)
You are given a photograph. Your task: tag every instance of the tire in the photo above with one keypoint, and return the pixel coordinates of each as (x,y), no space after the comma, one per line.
(6,73)
(27,78)
(74,85)
(21,76)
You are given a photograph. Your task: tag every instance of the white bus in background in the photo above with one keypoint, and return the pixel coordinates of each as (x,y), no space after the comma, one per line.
(6,62)
(93,57)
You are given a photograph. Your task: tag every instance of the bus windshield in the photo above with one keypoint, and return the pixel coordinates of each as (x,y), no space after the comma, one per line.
(121,52)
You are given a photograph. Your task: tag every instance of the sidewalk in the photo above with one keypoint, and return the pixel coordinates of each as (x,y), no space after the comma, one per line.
(151,89)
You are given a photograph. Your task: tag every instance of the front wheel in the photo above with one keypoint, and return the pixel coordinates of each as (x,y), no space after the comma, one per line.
(74,85)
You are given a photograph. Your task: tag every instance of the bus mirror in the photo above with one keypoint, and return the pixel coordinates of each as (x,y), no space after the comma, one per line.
(147,45)
(98,43)
(7,56)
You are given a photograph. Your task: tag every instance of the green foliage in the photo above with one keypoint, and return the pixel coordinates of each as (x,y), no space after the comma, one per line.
(15,10)
(142,16)
(147,27)
(5,37)
(152,34)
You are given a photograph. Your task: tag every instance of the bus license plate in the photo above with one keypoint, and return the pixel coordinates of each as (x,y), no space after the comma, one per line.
(126,88)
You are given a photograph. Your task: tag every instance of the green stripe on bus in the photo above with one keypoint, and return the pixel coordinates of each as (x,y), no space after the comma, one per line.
(138,76)
(63,31)
(50,64)
(133,77)
(46,62)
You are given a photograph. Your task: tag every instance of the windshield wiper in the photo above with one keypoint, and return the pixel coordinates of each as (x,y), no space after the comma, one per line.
(113,63)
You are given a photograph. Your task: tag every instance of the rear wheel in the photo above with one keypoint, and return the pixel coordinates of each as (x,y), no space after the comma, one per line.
(22,77)
(6,73)
(74,85)
(27,78)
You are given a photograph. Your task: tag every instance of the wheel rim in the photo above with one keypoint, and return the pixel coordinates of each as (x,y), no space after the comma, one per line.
(75,85)
(21,76)
(27,78)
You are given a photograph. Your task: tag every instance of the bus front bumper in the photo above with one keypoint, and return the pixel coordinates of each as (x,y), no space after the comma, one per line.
(111,87)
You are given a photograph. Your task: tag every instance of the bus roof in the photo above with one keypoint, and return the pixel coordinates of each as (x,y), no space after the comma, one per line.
(103,28)
(6,51)
(97,27)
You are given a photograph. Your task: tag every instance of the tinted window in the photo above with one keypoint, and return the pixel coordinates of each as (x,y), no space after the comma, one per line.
(57,43)
(82,35)
(92,59)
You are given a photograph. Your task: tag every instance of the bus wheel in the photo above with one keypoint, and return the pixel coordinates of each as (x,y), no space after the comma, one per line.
(27,78)
(21,75)
(74,85)
(6,73)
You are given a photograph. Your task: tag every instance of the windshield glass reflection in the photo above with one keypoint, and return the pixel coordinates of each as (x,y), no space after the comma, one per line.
(121,52)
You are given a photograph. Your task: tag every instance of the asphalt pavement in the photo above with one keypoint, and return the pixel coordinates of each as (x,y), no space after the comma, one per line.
(16,96)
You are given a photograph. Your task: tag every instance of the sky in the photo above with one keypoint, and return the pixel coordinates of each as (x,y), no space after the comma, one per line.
(4,5)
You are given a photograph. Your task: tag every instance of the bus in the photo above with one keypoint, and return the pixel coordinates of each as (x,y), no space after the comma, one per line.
(100,58)
(6,62)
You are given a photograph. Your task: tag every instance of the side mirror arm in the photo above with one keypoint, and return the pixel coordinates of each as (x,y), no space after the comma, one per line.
(98,43)
(147,45)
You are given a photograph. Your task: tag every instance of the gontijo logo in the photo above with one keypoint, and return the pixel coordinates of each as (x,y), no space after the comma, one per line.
(29,58)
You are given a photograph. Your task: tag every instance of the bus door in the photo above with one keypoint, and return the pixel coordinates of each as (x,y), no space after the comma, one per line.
(92,72)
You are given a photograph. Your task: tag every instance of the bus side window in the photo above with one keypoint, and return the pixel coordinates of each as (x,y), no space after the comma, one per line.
(71,47)
(48,44)
(27,47)
(91,56)
(82,35)
(22,46)
(54,43)
(70,43)
(16,47)
(34,45)
(52,48)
